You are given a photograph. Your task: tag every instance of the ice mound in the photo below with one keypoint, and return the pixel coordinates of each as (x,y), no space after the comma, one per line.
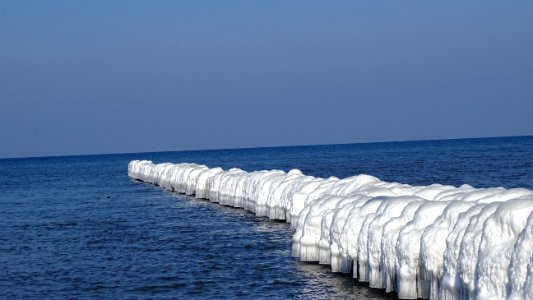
(436,242)
(518,269)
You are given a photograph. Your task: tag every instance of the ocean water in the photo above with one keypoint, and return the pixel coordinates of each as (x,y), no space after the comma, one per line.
(78,227)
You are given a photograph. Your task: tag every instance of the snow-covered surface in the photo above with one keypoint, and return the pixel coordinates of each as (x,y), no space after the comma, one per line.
(436,242)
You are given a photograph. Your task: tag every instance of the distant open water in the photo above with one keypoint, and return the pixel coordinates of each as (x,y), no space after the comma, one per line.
(78,227)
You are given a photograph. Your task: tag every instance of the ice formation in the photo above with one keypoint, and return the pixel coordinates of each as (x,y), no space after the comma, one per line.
(433,242)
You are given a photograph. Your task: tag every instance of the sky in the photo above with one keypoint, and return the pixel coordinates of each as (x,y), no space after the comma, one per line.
(88,77)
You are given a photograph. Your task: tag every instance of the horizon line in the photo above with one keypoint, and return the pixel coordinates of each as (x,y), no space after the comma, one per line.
(266,147)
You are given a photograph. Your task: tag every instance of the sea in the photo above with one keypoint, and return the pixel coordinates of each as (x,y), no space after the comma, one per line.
(77,227)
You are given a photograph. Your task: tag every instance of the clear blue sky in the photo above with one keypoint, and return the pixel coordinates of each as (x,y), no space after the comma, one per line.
(82,77)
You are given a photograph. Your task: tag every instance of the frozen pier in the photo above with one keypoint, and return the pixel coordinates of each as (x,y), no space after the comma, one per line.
(435,242)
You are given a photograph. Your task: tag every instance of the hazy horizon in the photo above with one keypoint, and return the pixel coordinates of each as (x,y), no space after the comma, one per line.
(100,77)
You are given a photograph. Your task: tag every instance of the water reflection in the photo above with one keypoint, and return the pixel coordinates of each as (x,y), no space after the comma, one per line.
(300,280)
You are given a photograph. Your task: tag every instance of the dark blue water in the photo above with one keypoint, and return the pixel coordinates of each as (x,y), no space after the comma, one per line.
(78,227)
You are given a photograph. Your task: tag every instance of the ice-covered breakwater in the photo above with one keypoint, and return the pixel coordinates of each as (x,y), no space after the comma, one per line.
(437,241)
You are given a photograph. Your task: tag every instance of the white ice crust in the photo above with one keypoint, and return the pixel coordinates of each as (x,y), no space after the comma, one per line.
(432,242)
